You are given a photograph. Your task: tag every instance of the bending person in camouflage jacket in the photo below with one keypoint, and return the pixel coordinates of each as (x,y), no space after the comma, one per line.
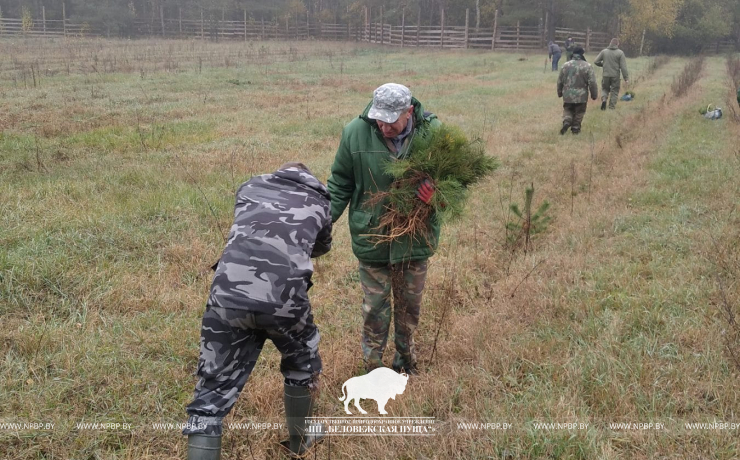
(260,292)
(575,81)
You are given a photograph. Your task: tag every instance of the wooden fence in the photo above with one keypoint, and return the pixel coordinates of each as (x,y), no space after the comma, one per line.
(506,37)
(47,28)
(728,45)
(498,37)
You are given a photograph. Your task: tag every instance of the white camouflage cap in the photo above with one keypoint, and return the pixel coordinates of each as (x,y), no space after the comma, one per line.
(389,101)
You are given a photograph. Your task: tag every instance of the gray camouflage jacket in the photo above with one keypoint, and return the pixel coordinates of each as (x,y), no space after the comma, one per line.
(281,220)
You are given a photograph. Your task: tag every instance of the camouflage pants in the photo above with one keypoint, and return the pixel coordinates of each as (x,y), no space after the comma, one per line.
(573,115)
(610,88)
(231,341)
(406,281)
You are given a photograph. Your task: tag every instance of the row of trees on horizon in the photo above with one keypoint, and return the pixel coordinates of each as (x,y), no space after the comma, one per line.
(673,26)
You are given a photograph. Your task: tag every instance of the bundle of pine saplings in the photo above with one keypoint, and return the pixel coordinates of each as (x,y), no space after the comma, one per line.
(444,156)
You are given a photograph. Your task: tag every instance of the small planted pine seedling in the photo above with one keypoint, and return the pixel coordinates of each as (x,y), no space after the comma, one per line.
(519,234)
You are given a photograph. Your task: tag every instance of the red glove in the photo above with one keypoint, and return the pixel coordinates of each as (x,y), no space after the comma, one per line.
(425,192)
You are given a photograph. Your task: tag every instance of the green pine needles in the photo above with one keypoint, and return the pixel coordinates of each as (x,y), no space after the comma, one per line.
(519,234)
(445,156)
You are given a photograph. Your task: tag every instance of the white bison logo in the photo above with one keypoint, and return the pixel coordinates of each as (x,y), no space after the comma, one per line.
(381,385)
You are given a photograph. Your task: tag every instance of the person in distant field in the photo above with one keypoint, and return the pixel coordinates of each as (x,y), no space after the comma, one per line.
(570,45)
(260,292)
(554,52)
(384,132)
(575,81)
(614,63)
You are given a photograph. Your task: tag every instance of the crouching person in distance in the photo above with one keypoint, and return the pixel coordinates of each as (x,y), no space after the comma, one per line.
(259,292)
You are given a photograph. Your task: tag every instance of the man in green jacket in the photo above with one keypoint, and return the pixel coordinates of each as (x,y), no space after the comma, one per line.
(383,133)
(613,61)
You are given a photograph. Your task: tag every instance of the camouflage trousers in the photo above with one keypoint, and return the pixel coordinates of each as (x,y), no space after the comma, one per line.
(406,281)
(573,114)
(231,341)
(610,88)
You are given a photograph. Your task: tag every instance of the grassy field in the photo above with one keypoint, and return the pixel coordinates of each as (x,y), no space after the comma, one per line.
(112,155)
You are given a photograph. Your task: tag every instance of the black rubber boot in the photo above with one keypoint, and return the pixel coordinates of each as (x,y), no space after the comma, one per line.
(603,105)
(411,369)
(564,129)
(204,447)
(301,436)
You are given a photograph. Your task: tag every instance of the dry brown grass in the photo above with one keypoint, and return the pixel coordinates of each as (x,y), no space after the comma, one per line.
(569,345)
(688,77)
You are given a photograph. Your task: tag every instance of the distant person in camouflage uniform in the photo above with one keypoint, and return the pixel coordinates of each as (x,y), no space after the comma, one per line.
(570,46)
(613,61)
(260,292)
(575,81)
(554,52)
(383,133)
